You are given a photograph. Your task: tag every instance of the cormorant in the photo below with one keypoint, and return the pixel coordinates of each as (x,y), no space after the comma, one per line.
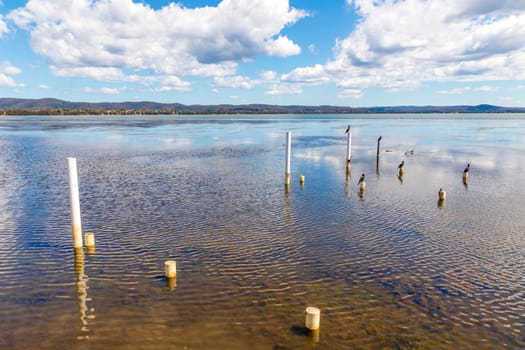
(466,169)
(361,179)
(347,129)
(401,165)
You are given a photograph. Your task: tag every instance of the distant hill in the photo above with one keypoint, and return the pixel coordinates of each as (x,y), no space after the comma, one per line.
(51,106)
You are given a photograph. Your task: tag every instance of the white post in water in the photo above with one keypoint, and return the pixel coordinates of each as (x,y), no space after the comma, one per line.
(76,226)
(349,149)
(170,268)
(89,237)
(287,171)
(313,316)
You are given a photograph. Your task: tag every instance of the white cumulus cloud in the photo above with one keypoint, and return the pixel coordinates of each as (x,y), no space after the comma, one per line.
(7,70)
(307,75)
(103,39)
(103,90)
(3,25)
(268,75)
(236,82)
(174,83)
(462,90)
(397,45)
(284,89)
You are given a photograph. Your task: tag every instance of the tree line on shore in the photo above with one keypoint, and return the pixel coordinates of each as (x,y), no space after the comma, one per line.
(10,106)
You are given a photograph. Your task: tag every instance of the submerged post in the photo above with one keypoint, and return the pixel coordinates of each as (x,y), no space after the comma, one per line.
(76,226)
(348,147)
(287,172)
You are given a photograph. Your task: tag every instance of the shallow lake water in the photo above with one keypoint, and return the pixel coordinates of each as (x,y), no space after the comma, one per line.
(390,268)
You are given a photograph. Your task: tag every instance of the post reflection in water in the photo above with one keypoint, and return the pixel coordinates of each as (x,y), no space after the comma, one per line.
(347,183)
(82,298)
(287,209)
(171,283)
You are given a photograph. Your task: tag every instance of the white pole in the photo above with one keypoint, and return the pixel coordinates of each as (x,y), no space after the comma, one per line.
(76,226)
(349,148)
(287,171)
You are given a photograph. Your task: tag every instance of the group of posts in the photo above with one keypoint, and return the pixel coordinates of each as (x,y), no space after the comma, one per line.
(442,195)
(170,266)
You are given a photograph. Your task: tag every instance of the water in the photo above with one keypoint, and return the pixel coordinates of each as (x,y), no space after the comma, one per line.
(390,269)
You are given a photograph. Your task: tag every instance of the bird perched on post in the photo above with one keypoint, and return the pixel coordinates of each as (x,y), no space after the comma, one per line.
(361,179)
(401,165)
(379,139)
(465,174)
(362,184)
(347,129)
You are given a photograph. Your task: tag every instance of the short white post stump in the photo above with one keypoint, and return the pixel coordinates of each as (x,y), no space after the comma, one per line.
(313,316)
(170,268)
(89,239)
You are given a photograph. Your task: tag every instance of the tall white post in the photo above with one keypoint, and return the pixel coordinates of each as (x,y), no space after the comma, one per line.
(287,171)
(76,226)
(349,148)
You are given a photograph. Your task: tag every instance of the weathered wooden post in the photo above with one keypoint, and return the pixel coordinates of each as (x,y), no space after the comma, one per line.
(348,147)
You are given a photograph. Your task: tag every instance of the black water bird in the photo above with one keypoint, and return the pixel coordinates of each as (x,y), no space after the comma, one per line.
(401,165)
(466,169)
(379,139)
(347,129)
(361,179)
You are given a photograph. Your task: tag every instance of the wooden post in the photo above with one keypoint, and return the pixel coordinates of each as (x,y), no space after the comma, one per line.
(301,179)
(442,195)
(76,226)
(287,172)
(349,148)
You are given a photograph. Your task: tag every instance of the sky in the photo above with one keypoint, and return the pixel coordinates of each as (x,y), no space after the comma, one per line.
(358,53)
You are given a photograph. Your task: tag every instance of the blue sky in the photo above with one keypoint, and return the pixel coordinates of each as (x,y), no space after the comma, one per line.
(310,52)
